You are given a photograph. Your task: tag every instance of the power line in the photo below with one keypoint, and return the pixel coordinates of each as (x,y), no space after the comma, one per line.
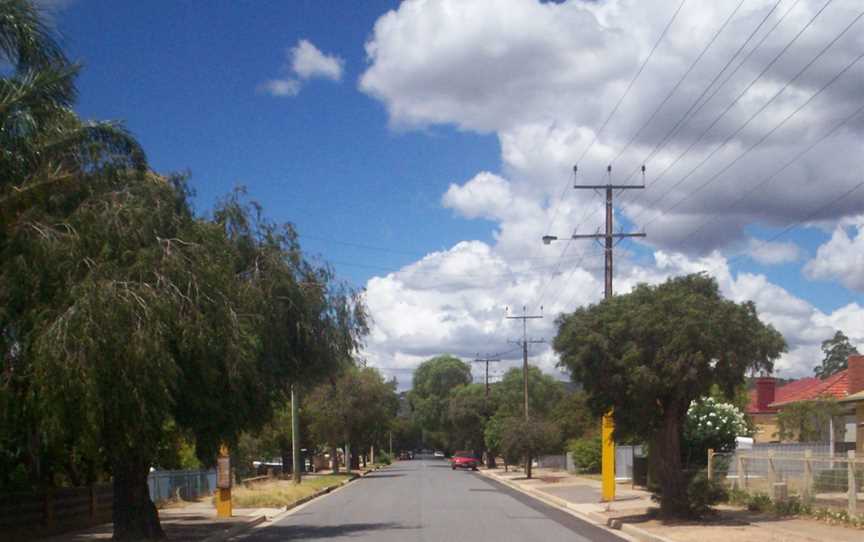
(757,113)
(509,274)
(810,216)
(680,81)
(617,106)
(697,104)
(379,248)
(776,173)
(766,136)
(361,246)
(728,108)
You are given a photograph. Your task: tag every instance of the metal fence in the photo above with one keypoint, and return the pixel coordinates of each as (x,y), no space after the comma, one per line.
(558,462)
(623,461)
(821,480)
(187,484)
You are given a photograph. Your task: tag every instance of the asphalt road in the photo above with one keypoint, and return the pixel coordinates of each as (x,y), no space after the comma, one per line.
(424,500)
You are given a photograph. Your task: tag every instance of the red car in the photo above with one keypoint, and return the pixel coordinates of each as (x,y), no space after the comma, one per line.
(464,460)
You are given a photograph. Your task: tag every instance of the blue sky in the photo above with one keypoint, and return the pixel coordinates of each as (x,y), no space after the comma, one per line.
(440,135)
(184,79)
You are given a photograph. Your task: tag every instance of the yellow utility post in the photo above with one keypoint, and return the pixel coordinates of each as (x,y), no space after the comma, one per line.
(608,425)
(608,457)
(223,483)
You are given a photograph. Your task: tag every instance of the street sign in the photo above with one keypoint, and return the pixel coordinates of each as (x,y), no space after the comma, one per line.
(223,472)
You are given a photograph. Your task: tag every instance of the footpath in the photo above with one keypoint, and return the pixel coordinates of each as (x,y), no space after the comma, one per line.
(631,512)
(197,521)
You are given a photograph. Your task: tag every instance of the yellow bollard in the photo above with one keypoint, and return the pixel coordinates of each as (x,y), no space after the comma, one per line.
(608,457)
(223,483)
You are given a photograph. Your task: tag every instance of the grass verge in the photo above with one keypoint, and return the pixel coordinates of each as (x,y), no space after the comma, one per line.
(279,493)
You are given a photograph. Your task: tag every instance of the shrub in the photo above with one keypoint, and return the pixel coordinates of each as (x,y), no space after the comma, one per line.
(710,424)
(703,493)
(521,439)
(737,496)
(384,458)
(792,507)
(587,453)
(759,502)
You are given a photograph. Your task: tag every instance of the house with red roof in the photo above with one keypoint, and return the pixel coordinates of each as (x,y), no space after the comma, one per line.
(767,399)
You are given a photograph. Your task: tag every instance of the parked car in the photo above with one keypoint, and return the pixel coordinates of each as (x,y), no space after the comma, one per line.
(405,455)
(438,453)
(464,460)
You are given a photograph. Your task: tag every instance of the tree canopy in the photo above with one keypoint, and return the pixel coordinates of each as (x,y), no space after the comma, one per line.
(126,320)
(837,350)
(433,381)
(356,408)
(648,354)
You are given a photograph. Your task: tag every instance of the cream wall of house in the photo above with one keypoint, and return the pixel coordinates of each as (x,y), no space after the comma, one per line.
(766,428)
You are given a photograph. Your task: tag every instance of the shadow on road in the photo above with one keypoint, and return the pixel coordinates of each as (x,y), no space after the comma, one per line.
(375,476)
(309,532)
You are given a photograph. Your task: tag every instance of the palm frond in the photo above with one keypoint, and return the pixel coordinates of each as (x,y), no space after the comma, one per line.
(45,89)
(25,40)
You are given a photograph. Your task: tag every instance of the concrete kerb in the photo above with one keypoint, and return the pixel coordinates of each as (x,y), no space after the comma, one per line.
(289,509)
(635,533)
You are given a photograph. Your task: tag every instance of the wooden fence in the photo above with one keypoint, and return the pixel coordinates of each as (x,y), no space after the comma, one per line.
(24,516)
(825,480)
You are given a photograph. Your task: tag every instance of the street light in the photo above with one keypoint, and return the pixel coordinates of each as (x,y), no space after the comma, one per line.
(547,239)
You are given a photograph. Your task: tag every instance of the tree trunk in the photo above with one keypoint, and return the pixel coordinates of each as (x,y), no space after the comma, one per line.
(528,467)
(665,458)
(490,459)
(334,459)
(287,463)
(135,515)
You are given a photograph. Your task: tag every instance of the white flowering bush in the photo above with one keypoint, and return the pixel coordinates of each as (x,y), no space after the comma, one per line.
(711,424)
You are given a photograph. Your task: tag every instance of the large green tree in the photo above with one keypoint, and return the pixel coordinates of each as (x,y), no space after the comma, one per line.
(468,411)
(355,409)
(648,354)
(433,381)
(126,320)
(837,350)
(544,394)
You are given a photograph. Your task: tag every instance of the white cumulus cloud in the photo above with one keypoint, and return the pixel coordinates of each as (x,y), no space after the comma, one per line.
(841,258)
(305,61)
(732,147)
(773,253)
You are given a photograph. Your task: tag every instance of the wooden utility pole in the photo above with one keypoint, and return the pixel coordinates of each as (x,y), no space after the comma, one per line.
(608,424)
(525,342)
(487,360)
(490,460)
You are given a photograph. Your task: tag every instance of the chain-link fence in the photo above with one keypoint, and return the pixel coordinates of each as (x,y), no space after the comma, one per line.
(819,480)
(186,484)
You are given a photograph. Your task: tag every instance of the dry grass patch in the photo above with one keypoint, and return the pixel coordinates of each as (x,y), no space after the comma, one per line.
(279,493)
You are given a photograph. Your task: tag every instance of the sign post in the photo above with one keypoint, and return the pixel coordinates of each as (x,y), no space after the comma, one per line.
(223,483)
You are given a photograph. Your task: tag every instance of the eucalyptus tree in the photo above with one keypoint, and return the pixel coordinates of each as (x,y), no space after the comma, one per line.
(356,408)
(837,350)
(649,353)
(122,314)
(163,318)
(50,161)
(433,381)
